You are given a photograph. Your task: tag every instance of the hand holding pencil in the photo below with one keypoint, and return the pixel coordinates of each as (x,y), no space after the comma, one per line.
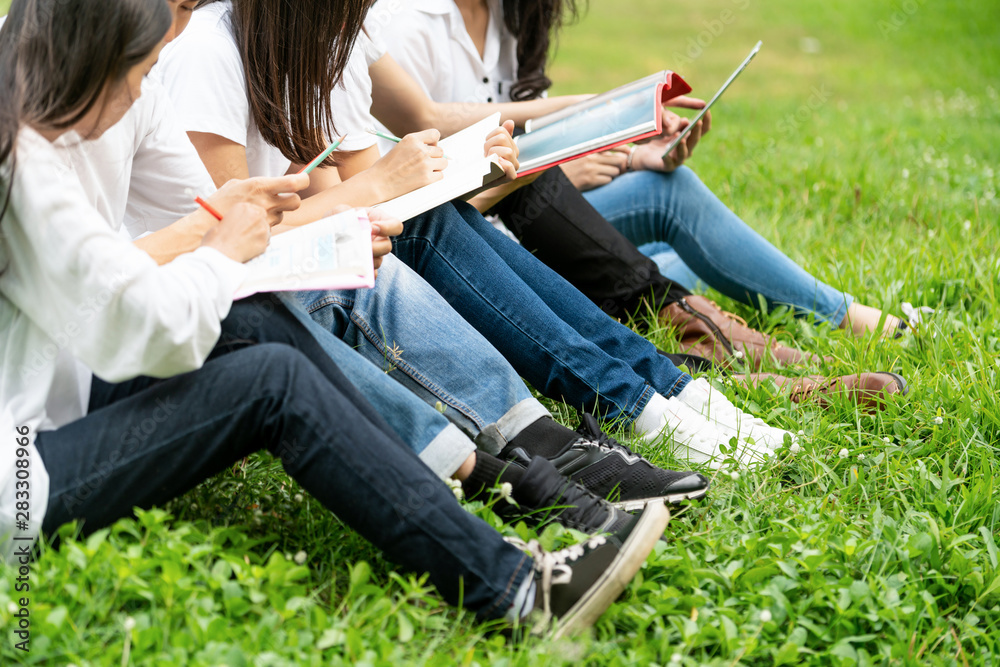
(274,195)
(416,161)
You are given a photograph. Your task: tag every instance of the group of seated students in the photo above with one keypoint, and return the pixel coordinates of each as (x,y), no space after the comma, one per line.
(130,375)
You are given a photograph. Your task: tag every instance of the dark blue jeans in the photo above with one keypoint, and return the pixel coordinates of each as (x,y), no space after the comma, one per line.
(147,441)
(553,335)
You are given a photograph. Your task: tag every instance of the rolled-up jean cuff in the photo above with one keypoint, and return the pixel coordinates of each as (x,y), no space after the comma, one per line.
(495,436)
(447,451)
(840,313)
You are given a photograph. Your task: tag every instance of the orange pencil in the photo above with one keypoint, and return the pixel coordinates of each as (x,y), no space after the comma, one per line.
(208,207)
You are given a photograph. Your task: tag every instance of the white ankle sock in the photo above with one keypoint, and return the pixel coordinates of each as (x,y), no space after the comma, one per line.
(650,420)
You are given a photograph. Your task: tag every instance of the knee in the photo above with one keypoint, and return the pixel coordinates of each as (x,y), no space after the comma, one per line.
(466,211)
(659,181)
(404,291)
(274,367)
(426,225)
(683,179)
(249,317)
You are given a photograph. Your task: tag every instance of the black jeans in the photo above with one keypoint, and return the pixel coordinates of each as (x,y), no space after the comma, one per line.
(148,440)
(555,222)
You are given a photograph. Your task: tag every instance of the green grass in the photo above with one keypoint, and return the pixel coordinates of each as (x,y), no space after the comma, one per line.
(873,163)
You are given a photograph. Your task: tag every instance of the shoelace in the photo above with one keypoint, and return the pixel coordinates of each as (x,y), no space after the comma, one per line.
(587,506)
(552,566)
(802,390)
(732,316)
(772,342)
(686,432)
(751,426)
(589,433)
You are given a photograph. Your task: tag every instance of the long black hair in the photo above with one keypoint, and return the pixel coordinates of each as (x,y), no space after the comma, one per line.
(535,23)
(294,52)
(58,56)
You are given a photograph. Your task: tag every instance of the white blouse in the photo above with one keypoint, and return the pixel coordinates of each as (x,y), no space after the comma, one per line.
(141,171)
(72,291)
(202,72)
(429,40)
(352,99)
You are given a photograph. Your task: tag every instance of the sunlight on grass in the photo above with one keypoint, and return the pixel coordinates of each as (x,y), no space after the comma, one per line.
(863,141)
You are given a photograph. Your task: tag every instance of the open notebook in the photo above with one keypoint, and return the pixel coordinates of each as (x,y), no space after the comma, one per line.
(468,170)
(632,112)
(332,253)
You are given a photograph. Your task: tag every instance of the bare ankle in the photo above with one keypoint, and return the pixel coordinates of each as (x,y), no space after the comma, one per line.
(466,468)
(861,320)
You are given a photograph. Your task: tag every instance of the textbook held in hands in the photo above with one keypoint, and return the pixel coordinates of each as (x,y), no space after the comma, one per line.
(468,172)
(332,253)
(632,112)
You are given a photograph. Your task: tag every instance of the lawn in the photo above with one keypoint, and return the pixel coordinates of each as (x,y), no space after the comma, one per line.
(865,142)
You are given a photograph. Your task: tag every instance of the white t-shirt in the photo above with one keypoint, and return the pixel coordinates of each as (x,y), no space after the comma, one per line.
(139,173)
(429,40)
(202,73)
(352,99)
(73,291)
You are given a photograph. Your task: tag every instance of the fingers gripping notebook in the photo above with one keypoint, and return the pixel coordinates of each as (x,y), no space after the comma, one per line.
(632,112)
(468,170)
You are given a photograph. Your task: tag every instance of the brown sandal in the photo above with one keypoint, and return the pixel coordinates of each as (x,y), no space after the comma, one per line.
(868,390)
(706,330)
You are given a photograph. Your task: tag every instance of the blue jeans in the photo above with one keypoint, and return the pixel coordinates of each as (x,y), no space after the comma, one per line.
(409,333)
(678,209)
(553,335)
(274,318)
(149,440)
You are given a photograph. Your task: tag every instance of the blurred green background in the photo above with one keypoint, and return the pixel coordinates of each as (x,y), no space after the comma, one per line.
(855,117)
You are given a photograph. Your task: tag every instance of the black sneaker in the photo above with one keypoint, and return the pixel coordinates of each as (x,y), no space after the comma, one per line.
(613,471)
(543,495)
(577,584)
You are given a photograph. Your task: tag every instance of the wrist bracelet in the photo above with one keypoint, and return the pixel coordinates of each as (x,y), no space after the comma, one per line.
(628,161)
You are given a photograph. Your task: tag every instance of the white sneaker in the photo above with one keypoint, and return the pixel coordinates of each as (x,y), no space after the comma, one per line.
(696,438)
(700,396)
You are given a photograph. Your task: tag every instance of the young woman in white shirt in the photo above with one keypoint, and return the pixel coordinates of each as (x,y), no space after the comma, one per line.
(77,66)
(552,335)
